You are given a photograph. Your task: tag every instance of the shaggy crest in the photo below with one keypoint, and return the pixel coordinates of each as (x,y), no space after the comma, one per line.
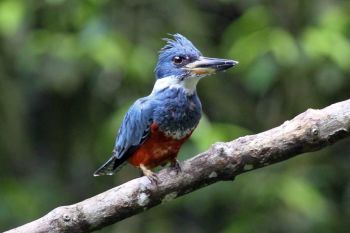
(179,42)
(179,46)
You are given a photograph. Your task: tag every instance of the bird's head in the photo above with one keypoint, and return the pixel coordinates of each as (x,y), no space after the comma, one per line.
(180,62)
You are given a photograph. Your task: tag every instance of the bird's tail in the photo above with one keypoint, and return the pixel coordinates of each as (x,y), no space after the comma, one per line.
(110,167)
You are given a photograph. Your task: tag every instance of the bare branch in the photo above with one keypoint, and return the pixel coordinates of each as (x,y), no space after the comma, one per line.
(309,131)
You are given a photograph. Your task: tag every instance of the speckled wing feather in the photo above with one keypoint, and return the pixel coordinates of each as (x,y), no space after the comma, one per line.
(134,130)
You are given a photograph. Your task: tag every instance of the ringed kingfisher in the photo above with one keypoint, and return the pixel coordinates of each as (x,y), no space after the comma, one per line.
(156,126)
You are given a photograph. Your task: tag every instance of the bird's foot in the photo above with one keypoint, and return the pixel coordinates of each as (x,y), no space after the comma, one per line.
(175,164)
(150,175)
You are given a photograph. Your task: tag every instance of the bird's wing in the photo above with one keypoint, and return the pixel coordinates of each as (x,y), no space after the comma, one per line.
(135,128)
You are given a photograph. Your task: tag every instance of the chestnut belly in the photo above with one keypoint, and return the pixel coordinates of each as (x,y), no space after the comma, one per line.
(157,150)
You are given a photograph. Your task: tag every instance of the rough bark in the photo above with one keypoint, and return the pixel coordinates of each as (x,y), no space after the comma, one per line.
(309,131)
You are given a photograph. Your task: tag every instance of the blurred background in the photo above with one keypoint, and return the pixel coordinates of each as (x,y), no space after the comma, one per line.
(69,70)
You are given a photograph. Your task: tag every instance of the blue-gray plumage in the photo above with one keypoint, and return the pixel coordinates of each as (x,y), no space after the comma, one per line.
(180,47)
(176,114)
(156,126)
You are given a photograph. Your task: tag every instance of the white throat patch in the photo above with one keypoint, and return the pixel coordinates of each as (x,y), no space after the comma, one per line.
(188,84)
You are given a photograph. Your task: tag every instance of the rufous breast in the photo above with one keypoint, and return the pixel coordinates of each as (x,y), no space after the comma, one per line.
(158,149)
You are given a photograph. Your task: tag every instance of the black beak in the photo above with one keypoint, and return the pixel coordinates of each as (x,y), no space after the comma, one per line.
(207,65)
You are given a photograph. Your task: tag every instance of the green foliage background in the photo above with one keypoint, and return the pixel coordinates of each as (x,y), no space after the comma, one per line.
(69,70)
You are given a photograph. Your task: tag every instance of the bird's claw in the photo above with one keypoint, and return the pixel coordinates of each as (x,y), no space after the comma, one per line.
(175,164)
(153,178)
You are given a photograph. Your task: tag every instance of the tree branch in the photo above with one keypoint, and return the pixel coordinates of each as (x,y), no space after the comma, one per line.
(309,131)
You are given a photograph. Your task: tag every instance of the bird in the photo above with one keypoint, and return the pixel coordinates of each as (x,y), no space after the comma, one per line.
(156,126)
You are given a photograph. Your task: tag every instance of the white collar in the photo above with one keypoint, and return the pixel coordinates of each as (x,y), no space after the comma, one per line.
(188,84)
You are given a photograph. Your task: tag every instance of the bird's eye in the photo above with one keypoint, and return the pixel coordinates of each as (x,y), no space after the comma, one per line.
(178,60)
